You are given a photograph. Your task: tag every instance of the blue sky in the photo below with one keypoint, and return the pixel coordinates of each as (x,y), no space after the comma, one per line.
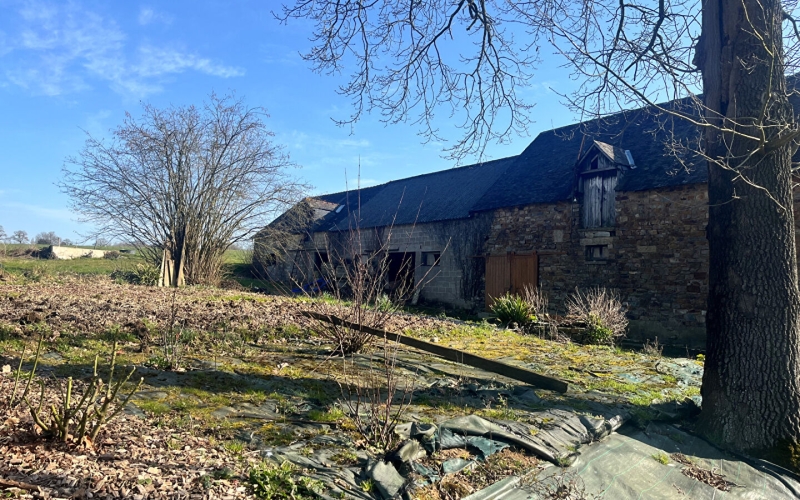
(70,67)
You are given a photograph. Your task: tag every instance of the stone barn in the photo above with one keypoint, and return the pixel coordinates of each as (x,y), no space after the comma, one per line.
(619,203)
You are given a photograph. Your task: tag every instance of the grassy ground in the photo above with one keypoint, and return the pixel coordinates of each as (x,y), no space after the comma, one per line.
(236,264)
(242,350)
(588,368)
(75,266)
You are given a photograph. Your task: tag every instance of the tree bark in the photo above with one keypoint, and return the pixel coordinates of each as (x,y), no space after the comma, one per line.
(751,385)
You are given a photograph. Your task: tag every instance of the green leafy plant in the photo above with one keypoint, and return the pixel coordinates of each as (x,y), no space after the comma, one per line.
(281,482)
(513,309)
(661,458)
(367,486)
(597,332)
(384,303)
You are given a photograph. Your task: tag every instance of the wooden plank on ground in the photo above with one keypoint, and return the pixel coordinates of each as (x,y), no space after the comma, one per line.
(489,365)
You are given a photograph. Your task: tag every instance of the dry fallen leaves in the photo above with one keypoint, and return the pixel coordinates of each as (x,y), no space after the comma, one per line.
(130,459)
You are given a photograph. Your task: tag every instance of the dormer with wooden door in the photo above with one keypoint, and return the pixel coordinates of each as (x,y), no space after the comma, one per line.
(598,172)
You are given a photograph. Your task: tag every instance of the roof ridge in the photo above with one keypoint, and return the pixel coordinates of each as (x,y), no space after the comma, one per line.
(436,172)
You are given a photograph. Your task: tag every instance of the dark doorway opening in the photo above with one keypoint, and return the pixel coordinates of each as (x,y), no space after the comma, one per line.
(400,268)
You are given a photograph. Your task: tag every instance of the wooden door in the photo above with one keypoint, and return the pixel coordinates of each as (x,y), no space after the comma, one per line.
(599,195)
(498,277)
(524,271)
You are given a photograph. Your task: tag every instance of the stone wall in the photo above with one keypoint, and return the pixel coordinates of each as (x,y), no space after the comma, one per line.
(656,256)
(69,253)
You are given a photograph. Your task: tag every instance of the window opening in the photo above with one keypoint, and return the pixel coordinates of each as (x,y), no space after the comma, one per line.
(431,258)
(596,252)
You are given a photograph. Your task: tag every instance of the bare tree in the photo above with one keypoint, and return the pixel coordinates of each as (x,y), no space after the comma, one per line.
(47,238)
(3,235)
(20,237)
(411,55)
(186,180)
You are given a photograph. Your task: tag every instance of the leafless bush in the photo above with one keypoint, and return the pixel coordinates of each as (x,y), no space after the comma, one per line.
(358,297)
(112,255)
(536,299)
(653,348)
(547,326)
(172,338)
(376,397)
(602,312)
(364,286)
(80,422)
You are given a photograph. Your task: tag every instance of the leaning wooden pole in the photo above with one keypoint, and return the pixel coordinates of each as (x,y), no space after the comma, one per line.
(489,365)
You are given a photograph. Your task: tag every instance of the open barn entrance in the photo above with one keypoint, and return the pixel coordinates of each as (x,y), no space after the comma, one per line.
(400,272)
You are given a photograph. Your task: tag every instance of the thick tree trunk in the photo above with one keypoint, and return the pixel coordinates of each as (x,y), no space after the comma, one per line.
(751,386)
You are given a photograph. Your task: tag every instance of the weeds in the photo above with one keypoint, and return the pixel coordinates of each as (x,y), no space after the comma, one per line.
(367,486)
(37,272)
(281,482)
(653,348)
(332,415)
(384,303)
(236,447)
(661,458)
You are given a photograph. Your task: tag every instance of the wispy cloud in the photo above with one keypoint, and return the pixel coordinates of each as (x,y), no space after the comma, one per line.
(148,15)
(64,48)
(301,141)
(154,61)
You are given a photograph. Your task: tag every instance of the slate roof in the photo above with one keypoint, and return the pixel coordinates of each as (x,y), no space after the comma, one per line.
(438,196)
(545,172)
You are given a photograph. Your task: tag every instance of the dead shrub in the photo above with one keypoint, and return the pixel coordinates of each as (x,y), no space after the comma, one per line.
(547,324)
(72,417)
(376,396)
(653,348)
(601,311)
(356,286)
(536,299)
(563,486)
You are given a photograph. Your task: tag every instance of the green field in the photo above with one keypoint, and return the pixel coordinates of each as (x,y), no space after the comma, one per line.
(236,265)
(74,266)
